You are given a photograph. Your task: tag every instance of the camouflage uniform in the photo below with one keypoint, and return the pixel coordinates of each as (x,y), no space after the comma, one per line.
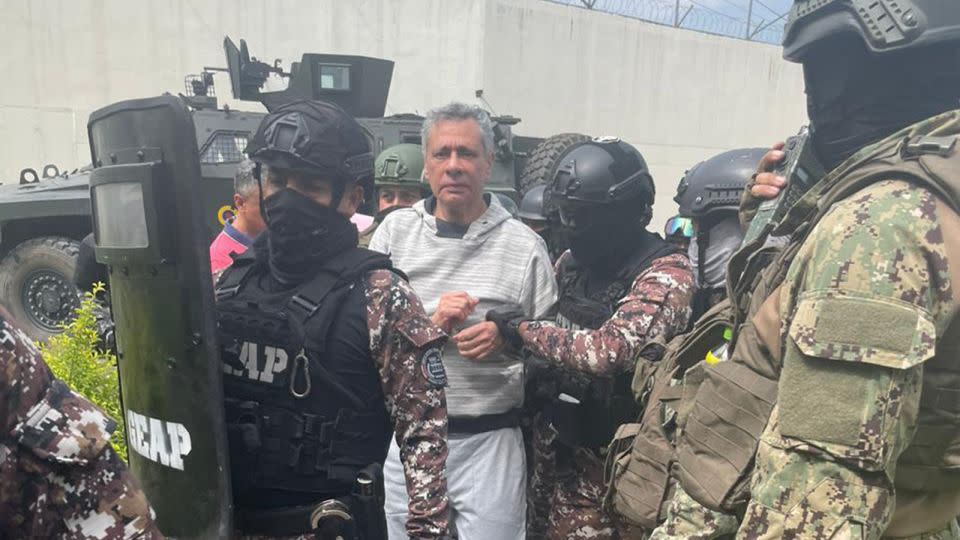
(889,252)
(567,495)
(860,343)
(689,520)
(367,234)
(59,477)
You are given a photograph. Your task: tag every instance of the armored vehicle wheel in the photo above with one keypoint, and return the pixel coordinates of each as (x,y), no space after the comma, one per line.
(543,159)
(36,284)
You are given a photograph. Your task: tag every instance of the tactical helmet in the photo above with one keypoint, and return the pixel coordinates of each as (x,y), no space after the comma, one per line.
(400,165)
(531,206)
(715,185)
(601,171)
(315,138)
(883,25)
(507,203)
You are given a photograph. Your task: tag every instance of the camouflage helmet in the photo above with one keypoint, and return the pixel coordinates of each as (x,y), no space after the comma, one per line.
(883,25)
(716,184)
(400,165)
(531,205)
(315,138)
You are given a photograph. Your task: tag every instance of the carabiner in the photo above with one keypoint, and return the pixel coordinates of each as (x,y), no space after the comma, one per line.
(303,363)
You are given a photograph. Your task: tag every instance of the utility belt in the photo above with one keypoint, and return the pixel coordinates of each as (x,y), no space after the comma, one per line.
(274,447)
(355,516)
(472,425)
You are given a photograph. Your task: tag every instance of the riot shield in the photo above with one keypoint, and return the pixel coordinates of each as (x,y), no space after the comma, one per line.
(149,231)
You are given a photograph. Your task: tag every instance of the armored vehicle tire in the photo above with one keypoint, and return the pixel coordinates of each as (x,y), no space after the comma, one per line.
(36,284)
(543,160)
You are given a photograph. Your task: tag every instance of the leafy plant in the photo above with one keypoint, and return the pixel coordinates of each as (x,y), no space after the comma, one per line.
(78,358)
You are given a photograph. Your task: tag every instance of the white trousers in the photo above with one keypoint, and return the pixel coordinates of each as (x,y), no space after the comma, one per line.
(486,483)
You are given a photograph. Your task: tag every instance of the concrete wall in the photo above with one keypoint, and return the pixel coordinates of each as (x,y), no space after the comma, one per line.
(680,96)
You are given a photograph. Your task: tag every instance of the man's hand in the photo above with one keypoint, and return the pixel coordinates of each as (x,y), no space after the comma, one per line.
(453,309)
(479,341)
(767,184)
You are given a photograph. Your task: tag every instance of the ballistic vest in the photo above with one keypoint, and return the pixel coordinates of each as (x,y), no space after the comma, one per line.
(304,404)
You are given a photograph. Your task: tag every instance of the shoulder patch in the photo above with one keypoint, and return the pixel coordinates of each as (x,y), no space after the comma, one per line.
(431,363)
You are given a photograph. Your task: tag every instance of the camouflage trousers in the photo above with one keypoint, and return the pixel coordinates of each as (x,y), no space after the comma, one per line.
(565,492)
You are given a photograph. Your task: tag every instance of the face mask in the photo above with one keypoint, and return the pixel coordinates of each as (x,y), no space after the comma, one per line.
(597,235)
(303,234)
(855,99)
(723,240)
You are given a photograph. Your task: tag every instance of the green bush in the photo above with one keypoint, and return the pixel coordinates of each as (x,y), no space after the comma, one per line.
(75,357)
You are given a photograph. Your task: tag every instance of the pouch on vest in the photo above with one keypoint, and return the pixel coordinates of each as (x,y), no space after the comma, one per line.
(641,458)
(716,448)
(305,412)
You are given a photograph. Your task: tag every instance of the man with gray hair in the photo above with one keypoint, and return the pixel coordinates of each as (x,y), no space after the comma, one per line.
(465,255)
(247,223)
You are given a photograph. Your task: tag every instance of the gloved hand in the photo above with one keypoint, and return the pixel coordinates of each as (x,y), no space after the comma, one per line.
(508,318)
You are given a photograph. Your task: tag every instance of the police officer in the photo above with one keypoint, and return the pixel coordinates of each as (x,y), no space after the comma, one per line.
(709,194)
(531,211)
(620,286)
(852,340)
(397,179)
(60,477)
(327,350)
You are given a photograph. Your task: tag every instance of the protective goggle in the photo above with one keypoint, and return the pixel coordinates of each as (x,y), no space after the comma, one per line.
(679,226)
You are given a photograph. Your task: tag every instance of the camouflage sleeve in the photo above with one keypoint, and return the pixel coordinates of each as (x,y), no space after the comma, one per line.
(658,304)
(77,487)
(864,306)
(24,377)
(407,348)
(104,501)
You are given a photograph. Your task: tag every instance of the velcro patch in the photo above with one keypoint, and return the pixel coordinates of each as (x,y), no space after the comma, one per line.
(858,327)
(432,365)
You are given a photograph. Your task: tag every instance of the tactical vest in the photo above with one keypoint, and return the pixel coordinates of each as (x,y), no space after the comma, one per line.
(733,403)
(304,405)
(587,301)
(641,458)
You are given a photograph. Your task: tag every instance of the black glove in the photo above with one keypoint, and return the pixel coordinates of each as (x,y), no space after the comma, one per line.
(508,318)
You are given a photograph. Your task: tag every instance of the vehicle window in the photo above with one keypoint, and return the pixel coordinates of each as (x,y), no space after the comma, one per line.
(224,147)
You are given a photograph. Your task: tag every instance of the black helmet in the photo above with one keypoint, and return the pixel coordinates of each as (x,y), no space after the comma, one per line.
(883,25)
(507,203)
(531,205)
(715,185)
(315,138)
(601,171)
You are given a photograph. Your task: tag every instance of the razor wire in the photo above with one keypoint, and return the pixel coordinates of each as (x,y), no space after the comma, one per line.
(765,26)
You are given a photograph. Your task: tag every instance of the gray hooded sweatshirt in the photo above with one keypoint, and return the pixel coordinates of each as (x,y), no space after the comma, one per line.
(499,261)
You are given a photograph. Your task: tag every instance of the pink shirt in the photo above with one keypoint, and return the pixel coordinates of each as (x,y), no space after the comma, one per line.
(230,240)
(362,221)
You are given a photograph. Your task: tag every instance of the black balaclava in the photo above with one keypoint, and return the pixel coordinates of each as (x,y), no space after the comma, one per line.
(855,98)
(303,234)
(605,234)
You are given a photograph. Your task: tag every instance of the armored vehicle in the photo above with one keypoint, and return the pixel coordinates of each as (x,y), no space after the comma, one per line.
(44,217)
